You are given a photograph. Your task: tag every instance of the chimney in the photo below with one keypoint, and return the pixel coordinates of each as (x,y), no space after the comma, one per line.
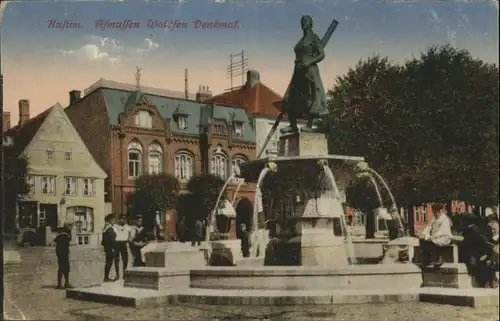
(186,85)
(74,96)
(253,78)
(204,93)
(24,111)
(6,120)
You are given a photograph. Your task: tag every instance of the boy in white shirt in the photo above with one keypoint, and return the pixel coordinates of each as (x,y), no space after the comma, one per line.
(122,230)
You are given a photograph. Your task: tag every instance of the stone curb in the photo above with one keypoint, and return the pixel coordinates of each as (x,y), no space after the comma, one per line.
(479,297)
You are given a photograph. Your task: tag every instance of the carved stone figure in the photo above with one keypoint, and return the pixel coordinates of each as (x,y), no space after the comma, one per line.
(305,97)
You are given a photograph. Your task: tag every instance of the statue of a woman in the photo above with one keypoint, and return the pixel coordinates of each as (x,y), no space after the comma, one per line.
(305,97)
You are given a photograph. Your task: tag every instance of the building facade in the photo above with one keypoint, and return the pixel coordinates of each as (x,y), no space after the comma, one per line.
(67,185)
(258,100)
(131,133)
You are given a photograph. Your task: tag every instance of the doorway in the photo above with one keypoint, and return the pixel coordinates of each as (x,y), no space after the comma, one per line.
(48,212)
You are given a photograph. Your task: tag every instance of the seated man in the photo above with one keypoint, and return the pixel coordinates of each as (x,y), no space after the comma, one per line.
(492,258)
(436,235)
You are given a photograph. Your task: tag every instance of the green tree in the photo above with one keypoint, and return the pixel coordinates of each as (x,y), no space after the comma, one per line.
(205,189)
(152,194)
(429,126)
(186,208)
(16,185)
(368,118)
(453,98)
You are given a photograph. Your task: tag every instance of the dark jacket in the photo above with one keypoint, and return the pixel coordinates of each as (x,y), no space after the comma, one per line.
(62,240)
(108,237)
(139,237)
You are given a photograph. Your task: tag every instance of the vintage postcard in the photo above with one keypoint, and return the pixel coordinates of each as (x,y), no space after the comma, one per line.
(249,160)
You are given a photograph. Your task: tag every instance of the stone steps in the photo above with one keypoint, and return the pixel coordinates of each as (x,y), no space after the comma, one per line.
(474,298)
(115,293)
(450,275)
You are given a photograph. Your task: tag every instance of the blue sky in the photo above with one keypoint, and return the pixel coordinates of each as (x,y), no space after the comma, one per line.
(44,61)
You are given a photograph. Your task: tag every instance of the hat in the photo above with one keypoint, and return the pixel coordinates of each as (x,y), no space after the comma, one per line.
(109,217)
(437,207)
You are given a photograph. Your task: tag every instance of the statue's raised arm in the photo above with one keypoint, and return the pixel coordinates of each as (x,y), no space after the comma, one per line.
(305,97)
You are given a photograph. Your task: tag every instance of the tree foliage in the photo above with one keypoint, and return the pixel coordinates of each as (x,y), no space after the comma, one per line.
(152,194)
(205,190)
(16,184)
(429,126)
(186,207)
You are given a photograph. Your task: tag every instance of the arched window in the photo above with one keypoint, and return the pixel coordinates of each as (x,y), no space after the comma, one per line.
(184,166)
(238,160)
(219,163)
(134,153)
(155,159)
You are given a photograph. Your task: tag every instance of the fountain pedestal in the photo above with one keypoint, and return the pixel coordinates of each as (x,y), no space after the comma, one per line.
(318,244)
(312,234)
(303,144)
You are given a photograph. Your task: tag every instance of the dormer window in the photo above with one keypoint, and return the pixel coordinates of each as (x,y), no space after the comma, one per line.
(219,129)
(182,122)
(144,119)
(238,128)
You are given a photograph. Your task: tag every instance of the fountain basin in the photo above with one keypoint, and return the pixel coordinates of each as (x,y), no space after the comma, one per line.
(360,277)
(250,171)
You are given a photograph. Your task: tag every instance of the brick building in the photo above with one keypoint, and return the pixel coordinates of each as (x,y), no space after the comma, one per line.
(130,132)
(258,100)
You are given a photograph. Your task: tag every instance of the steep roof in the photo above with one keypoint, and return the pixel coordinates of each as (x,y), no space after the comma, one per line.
(106,83)
(257,100)
(198,113)
(22,135)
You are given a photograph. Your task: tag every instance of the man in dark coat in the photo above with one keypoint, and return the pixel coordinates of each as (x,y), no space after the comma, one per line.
(137,241)
(198,235)
(63,240)
(492,259)
(245,240)
(477,249)
(110,250)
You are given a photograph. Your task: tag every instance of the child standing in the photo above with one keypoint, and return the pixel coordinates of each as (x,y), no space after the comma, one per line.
(63,240)
(109,244)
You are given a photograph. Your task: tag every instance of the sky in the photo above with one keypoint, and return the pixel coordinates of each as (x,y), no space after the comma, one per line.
(42,62)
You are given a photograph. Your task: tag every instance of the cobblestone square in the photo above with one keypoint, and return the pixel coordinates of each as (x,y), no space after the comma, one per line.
(30,294)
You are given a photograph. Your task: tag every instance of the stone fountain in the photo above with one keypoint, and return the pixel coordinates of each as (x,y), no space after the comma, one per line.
(310,258)
(319,272)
